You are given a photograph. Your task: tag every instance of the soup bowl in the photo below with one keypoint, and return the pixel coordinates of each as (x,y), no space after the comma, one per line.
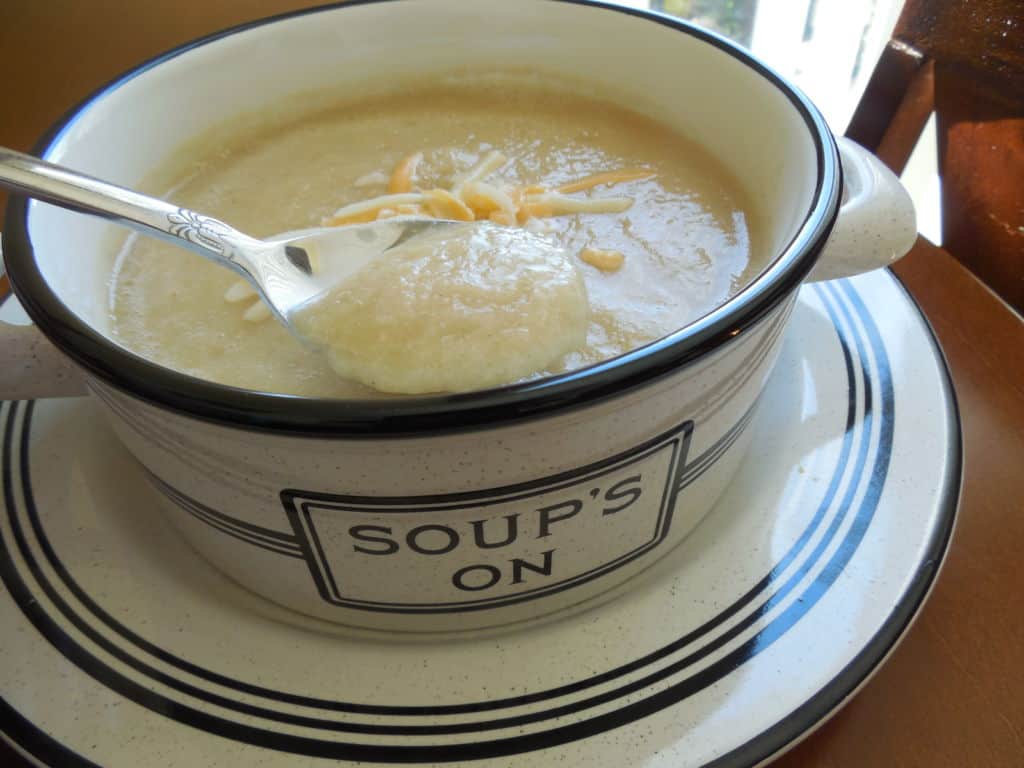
(458,511)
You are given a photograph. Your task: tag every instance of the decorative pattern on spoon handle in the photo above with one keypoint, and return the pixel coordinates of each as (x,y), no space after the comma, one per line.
(201,230)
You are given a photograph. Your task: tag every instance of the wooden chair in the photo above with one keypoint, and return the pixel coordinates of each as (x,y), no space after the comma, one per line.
(962,60)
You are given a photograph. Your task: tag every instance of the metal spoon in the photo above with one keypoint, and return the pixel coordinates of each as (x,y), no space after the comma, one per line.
(287,270)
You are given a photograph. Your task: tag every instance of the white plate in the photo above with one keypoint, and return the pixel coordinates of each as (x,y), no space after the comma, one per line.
(123,648)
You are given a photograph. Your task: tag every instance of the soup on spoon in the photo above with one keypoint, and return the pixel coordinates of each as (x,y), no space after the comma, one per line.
(460,308)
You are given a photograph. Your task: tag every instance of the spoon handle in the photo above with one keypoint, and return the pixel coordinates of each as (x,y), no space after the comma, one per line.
(69,189)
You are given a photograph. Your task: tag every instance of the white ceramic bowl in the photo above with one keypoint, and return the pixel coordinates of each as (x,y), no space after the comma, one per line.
(446,512)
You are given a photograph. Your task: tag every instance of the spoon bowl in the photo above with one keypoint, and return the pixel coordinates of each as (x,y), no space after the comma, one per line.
(291,269)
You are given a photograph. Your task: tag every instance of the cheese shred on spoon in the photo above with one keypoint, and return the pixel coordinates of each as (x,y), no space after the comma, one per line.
(471,198)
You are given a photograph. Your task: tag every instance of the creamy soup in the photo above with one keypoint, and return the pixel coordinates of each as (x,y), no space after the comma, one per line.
(653,233)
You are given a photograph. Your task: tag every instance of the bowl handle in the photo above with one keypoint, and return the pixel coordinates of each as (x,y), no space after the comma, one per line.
(32,366)
(876,224)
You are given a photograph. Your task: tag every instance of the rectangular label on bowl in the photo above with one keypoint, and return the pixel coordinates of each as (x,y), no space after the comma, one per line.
(484,549)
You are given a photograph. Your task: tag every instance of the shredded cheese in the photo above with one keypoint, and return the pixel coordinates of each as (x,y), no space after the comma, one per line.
(611,177)
(442,204)
(537,226)
(560,205)
(367,210)
(373,179)
(503,219)
(471,198)
(404,173)
(239,291)
(606,261)
(257,313)
(533,210)
(485,199)
(491,162)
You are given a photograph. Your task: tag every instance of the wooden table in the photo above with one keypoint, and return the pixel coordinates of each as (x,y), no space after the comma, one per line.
(952,695)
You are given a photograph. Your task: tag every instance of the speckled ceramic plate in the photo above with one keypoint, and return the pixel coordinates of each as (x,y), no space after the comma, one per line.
(123,648)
